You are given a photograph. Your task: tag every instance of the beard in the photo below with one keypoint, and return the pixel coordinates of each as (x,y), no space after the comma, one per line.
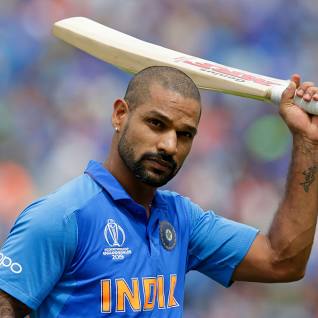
(153,177)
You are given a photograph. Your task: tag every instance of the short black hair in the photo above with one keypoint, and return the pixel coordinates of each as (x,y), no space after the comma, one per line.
(168,77)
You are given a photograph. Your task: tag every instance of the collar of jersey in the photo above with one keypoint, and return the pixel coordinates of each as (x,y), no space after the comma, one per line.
(106,180)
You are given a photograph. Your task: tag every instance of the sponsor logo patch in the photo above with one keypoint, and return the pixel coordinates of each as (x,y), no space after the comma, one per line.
(7,262)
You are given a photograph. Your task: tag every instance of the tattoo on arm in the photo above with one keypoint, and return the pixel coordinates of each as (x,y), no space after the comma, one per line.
(10,307)
(309,177)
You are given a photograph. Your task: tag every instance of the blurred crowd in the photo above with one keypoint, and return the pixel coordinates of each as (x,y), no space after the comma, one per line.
(56,103)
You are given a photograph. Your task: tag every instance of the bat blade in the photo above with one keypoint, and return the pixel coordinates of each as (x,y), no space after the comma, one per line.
(132,55)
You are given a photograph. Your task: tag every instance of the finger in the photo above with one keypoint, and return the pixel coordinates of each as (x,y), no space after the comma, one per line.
(289,92)
(309,93)
(296,79)
(303,87)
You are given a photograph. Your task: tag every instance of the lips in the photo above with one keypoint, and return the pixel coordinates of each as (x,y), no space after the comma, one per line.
(159,164)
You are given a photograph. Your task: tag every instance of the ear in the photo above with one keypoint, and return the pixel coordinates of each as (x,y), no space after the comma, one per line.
(120,113)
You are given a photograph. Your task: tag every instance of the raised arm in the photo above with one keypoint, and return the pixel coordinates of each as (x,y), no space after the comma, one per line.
(282,254)
(11,308)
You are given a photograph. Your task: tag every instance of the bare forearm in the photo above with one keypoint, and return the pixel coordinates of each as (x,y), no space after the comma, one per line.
(10,307)
(293,228)
(282,255)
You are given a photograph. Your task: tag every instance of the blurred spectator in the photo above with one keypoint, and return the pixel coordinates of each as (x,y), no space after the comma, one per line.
(16,191)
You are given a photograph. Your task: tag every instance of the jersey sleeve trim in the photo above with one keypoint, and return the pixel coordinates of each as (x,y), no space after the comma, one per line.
(18,294)
(247,243)
(226,270)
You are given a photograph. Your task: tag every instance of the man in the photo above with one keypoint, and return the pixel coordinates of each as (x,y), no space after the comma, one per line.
(109,243)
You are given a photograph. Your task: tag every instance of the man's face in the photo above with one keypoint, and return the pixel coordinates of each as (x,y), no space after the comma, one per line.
(158,135)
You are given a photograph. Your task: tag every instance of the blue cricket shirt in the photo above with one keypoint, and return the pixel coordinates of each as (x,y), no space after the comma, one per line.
(88,250)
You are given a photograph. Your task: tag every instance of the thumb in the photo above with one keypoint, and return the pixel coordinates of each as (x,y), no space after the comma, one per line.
(289,93)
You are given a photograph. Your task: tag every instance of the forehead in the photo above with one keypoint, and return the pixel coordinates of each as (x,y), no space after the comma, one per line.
(171,104)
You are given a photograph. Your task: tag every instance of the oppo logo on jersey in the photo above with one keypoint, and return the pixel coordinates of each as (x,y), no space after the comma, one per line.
(6,261)
(148,290)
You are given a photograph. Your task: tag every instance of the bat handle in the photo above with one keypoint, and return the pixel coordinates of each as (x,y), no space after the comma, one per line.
(310,107)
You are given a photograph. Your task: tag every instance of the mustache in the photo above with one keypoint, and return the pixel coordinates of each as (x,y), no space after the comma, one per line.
(160,157)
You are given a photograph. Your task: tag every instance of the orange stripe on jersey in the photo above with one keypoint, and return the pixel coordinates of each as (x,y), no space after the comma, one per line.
(171,300)
(150,289)
(123,292)
(106,291)
(161,292)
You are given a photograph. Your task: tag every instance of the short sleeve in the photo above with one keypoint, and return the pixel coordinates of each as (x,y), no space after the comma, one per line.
(39,247)
(216,245)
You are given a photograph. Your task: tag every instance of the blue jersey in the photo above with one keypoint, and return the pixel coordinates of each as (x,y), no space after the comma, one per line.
(88,250)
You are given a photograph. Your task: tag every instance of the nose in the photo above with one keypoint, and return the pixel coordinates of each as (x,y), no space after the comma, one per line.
(168,143)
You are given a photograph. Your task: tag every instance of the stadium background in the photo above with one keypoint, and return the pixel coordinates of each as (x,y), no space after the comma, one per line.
(55,107)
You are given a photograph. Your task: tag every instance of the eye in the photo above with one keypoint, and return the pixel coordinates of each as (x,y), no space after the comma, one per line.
(185,134)
(155,123)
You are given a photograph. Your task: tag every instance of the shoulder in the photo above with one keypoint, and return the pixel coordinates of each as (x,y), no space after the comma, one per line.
(74,194)
(70,197)
(183,207)
(57,210)
(173,197)
(179,201)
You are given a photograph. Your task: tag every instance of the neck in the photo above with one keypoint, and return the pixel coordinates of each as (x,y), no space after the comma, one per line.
(140,192)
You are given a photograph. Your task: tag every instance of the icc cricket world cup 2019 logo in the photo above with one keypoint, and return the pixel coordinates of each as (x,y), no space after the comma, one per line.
(114,234)
(115,238)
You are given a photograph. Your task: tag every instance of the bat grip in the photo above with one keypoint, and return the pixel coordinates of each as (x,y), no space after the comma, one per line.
(310,107)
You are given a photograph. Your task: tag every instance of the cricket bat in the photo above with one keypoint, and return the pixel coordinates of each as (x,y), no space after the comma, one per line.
(132,55)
